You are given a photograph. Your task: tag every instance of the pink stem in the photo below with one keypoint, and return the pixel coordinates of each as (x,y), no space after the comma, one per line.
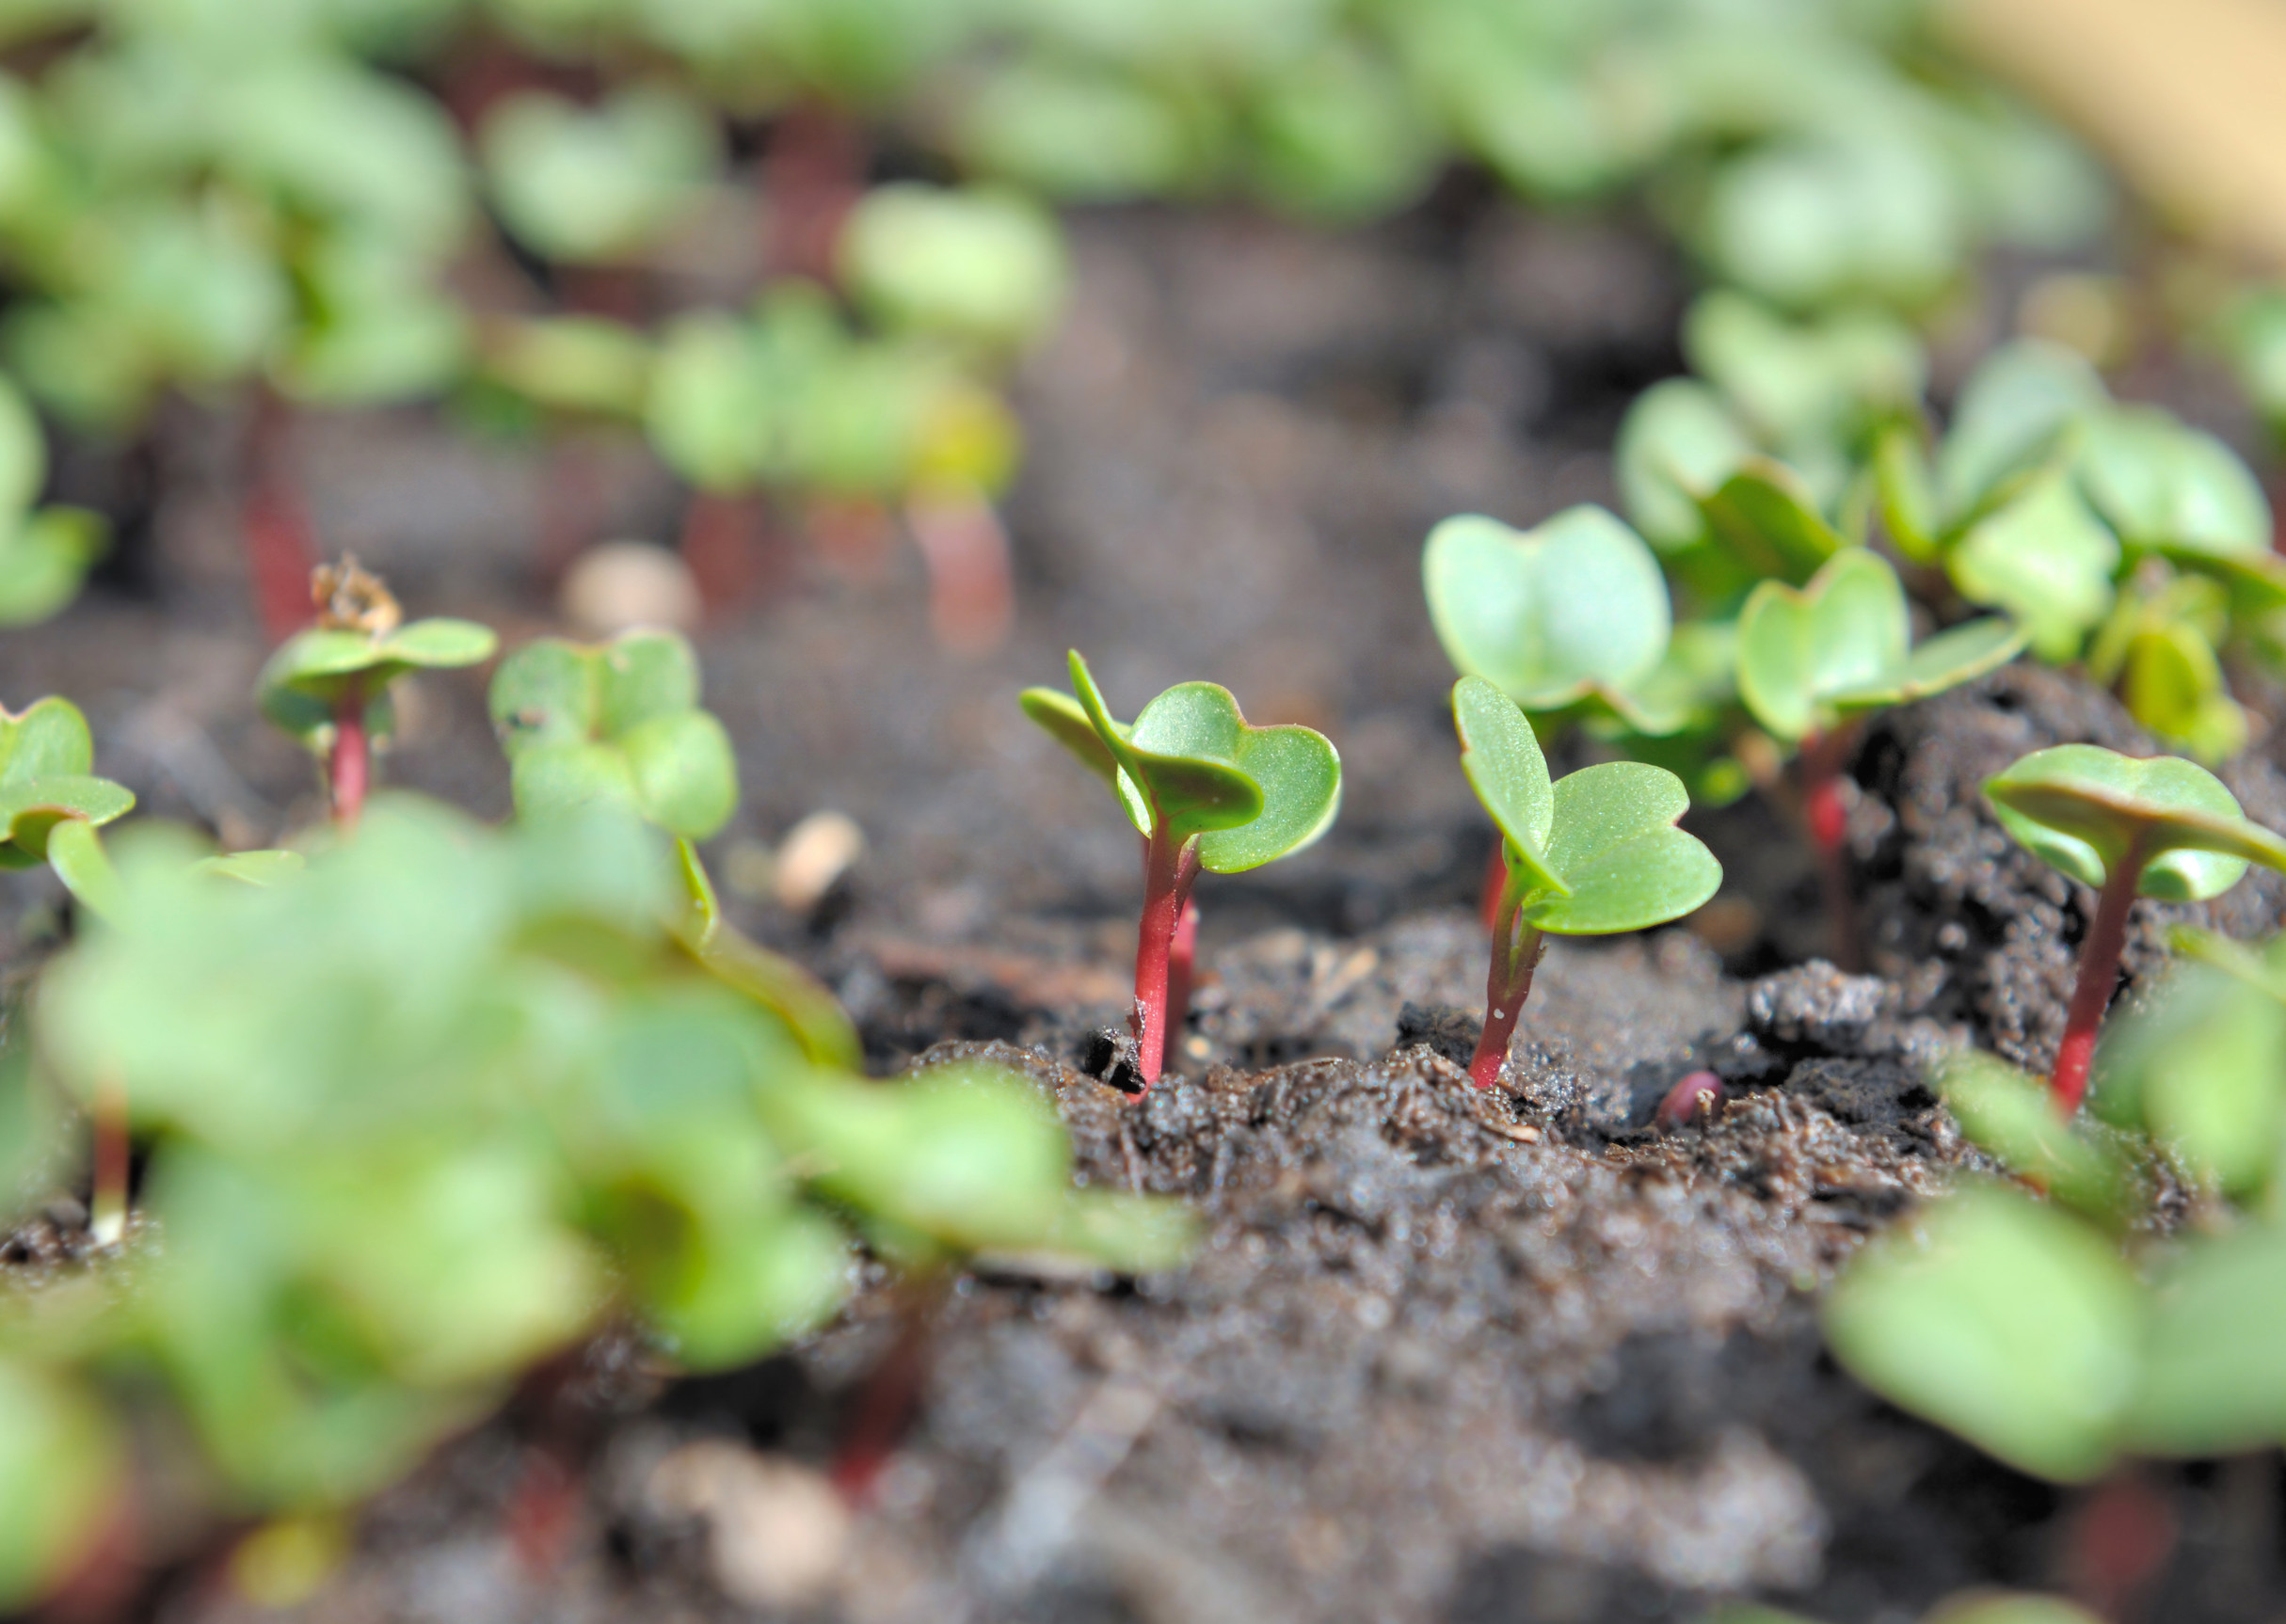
(971,579)
(1169,868)
(352,764)
(2098,978)
(1182,954)
(280,548)
(1827,816)
(1496,883)
(1516,956)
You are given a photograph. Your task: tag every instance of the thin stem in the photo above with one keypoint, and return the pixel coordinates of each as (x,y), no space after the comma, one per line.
(1182,955)
(350,770)
(971,578)
(1170,866)
(1494,888)
(1516,956)
(280,546)
(107,1206)
(890,1394)
(1827,816)
(2098,977)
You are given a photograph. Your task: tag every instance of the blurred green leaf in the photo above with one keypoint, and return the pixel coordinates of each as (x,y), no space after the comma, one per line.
(597,184)
(1548,615)
(617,722)
(2000,1319)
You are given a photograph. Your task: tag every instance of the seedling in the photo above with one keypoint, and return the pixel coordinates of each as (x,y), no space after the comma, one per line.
(52,804)
(619,724)
(1570,619)
(2162,828)
(1812,663)
(1205,790)
(328,685)
(2021,1324)
(1593,853)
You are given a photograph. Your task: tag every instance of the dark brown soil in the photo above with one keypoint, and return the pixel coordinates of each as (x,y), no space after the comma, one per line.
(1510,1359)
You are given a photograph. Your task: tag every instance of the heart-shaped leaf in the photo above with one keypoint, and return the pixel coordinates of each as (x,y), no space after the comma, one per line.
(1679,442)
(1598,849)
(2045,559)
(1550,613)
(617,722)
(2080,808)
(2002,1319)
(303,684)
(1808,657)
(1249,794)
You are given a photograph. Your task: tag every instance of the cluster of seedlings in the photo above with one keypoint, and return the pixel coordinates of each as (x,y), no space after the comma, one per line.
(418,1104)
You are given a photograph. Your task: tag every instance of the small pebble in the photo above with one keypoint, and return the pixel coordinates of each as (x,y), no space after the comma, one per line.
(623,584)
(776,1531)
(816,852)
(66,1212)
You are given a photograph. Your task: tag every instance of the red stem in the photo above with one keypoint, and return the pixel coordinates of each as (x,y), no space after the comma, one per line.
(280,546)
(1496,885)
(1516,956)
(1182,955)
(890,1394)
(351,770)
(1169,868)
(971,578)
(2098,978)
(1827,816)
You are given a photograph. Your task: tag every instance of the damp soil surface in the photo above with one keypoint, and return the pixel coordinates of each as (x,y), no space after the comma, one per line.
(1523,1356)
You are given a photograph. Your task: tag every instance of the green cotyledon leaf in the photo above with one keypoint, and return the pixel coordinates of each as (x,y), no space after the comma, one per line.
(51,737)
(1765,518)
(1808,657)
(1550,613)
(2079,806)
(617,722)
(1624,865)
(1193,795)
(1249,794)
(1501,756)
(303,682)
(1597,850)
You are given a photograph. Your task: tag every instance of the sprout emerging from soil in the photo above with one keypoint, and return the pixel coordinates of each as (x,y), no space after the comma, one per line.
(1205,790)
(1595,854)
(1813,662)
(328,685)
(2163,828)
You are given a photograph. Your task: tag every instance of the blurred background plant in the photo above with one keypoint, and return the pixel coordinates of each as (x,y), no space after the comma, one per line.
(797,246)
